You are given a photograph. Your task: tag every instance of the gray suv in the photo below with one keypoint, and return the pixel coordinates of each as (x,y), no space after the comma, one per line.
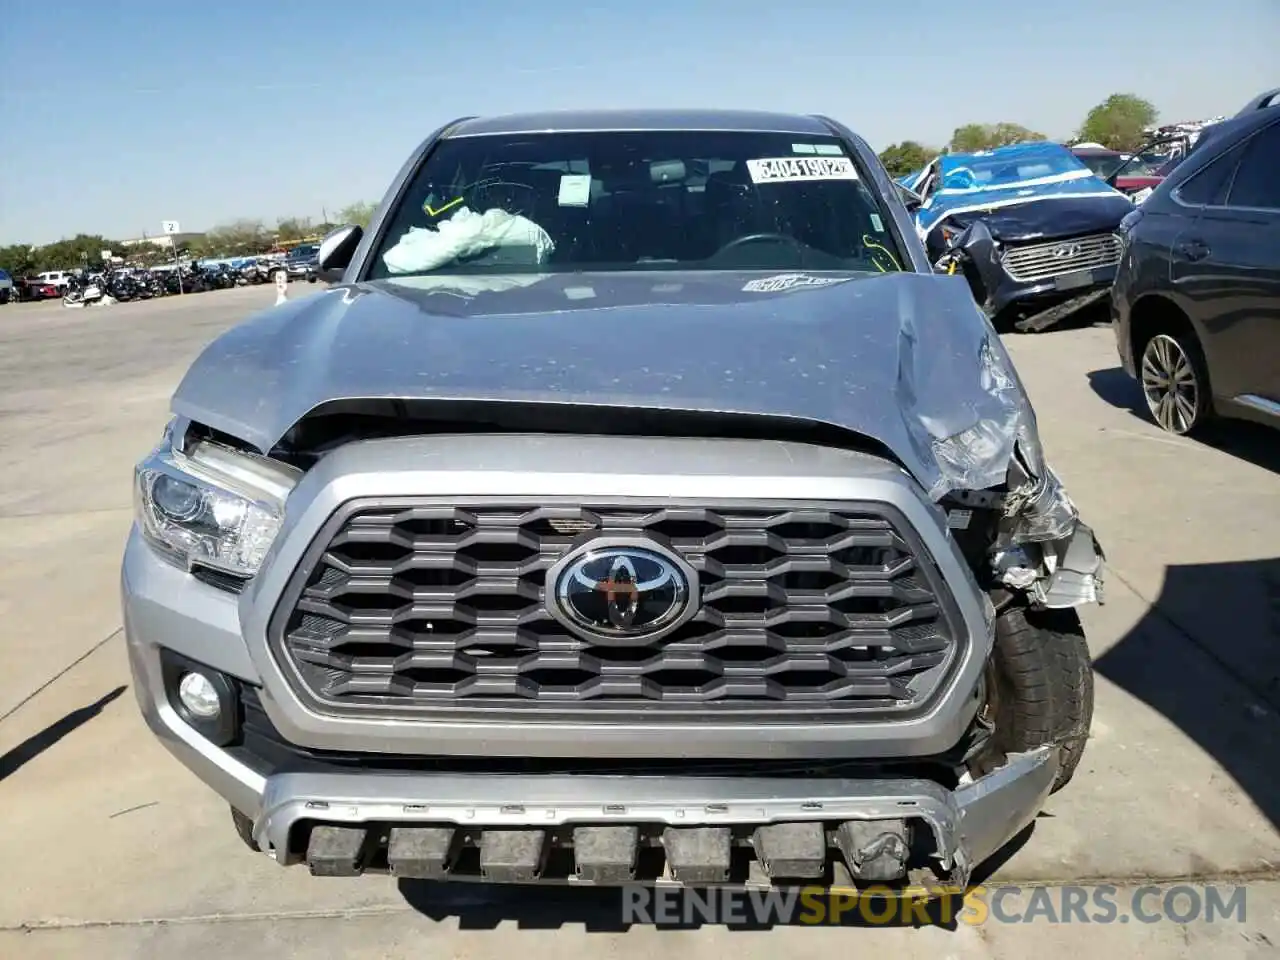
(637,505)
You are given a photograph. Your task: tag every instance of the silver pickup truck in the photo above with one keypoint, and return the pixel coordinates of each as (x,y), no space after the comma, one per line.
(637,505)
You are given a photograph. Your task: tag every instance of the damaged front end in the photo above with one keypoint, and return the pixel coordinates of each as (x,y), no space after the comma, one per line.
(1031,538)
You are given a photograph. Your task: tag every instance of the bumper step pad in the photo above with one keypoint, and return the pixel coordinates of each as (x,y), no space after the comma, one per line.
(513,856)
(336,851)
(606,854)
(875,851)
(421,853)
(792,851)
(697,855)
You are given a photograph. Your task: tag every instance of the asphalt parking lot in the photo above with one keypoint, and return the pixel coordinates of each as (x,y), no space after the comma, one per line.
(111,849)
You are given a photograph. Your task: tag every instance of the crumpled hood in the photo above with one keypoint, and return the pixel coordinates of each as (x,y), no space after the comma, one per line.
(1049,217)
(905,359)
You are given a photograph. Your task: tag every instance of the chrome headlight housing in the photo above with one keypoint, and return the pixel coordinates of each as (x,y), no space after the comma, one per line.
(208,505)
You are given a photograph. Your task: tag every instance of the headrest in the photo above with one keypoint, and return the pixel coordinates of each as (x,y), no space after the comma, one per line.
(667,171)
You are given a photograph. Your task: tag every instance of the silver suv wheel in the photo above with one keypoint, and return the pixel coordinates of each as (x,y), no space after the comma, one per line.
(1172,385)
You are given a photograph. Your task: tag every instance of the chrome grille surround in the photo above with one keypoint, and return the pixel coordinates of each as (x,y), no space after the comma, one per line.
(433,608)
(1032,262)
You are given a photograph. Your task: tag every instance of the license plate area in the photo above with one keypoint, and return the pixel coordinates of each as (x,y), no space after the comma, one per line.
(1075,280)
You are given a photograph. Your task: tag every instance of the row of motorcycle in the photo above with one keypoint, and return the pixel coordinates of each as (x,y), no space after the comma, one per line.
(122,285)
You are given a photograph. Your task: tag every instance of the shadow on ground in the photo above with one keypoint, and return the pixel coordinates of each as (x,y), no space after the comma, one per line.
(1221,685)
(1252,442)
(480,906)
(38,743)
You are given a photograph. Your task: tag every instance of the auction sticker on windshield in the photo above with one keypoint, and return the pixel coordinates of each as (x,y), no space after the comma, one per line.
(791,169)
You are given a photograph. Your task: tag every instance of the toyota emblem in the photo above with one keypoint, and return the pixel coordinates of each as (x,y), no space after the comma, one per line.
(616,590)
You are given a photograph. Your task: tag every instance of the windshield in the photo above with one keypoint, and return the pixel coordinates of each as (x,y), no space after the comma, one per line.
(687,200)
(1103,164)
(1007,166)
(301,253)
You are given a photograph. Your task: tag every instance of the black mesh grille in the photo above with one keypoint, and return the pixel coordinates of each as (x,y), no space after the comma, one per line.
(805,612)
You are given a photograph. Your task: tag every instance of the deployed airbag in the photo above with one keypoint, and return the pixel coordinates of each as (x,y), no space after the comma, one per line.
(465,234)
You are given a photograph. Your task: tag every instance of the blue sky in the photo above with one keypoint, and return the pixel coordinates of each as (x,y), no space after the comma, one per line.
(118,116)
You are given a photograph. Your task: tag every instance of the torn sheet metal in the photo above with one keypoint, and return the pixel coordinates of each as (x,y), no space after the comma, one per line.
(1061,573)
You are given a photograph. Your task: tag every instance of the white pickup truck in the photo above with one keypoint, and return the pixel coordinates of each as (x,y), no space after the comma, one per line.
(58,278)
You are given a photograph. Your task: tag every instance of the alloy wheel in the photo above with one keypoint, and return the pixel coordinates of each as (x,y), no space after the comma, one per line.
(1170,385)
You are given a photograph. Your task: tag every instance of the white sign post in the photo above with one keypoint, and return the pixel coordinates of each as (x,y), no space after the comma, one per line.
(105,254)
(171,229)
(282,287)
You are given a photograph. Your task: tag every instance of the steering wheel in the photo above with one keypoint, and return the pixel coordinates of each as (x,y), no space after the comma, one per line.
(758,238)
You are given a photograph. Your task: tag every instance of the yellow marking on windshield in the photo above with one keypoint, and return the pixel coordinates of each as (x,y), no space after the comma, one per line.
(435,213)
(868,241)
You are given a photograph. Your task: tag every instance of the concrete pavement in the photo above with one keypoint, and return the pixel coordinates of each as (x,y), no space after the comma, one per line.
(112,849)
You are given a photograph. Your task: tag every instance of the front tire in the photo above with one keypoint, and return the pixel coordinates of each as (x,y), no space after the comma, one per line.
(1039,688)
(1175,382)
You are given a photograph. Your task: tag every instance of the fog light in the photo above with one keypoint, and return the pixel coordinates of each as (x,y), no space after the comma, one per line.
(203,698)
(199,696)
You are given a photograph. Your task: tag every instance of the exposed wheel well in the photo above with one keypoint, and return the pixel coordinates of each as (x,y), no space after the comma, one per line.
(1152,315)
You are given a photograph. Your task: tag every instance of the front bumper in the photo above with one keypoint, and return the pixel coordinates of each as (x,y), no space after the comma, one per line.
(1007,293)
(371,807)
(957,828)
(405,775)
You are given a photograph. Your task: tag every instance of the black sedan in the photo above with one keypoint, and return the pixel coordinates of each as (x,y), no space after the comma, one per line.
(1196,301)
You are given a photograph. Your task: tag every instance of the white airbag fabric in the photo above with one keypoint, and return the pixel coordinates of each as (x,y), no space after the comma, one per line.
(465,234)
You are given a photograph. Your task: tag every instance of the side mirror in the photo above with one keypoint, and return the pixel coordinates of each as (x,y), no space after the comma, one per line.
(336,250)
(910,199)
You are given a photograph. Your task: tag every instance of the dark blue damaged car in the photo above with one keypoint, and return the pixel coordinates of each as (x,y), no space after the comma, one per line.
(1032,227)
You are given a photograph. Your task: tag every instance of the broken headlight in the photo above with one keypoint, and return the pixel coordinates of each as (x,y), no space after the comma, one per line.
(1003,448)
(976,458)
(210,505)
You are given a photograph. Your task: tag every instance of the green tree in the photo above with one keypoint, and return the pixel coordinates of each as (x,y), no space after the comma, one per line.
(19,259)
(80,251)
(292,229)
(148,254)
(236,239)
(1119,122)
(986,136)
(902,158)
(359,213)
